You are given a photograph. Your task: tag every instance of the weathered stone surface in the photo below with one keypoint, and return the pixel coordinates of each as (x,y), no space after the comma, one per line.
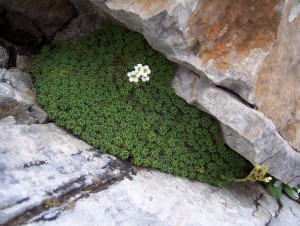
(80,26)
(46,16)
(289,213)
(3,57)
(9,120)
(17,97)
(51,178)
(153,198)
(41,165)
(22,62)
(226,40)
(277,89)
(245,130)
(22,24)
(248,47)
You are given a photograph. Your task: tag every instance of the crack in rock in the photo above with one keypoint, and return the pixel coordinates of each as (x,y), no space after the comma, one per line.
(35,163)
(280,206)
(256,203)
(69,193)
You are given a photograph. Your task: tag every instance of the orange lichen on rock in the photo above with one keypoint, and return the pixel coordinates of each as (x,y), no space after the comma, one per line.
(226,26)
(277,89)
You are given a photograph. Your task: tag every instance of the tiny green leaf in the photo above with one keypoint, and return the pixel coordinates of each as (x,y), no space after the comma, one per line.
(275,189)
(291,192)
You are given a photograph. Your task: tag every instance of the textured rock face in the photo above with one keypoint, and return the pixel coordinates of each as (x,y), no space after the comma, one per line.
(41,163)
(153,198)
(82,25)
(227,40)
(3,57)
(51,178)
(46,16)
(277,90)
(245,130)
(17,97)
(248,47)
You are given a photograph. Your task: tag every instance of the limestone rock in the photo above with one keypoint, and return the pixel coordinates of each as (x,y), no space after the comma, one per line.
(79,27)
(249,47)
(246,130)
(157,199)
(9,120)
(42,167)
(51,178)
(18,98)
(22,62)
(46,16)
(277,88)
(3,57)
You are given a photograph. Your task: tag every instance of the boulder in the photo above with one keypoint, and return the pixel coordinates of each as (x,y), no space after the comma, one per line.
(245,130)
(153,198)
(42,167)
(49,177)
(9,120)
(42,17)
(247,47)
(18,98)
(3,57)
(85,23)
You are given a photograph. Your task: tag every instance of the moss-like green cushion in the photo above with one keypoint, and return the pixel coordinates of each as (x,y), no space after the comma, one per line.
(84,88)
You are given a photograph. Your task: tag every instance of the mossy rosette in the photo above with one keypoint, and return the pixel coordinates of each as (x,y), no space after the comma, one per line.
(84,88)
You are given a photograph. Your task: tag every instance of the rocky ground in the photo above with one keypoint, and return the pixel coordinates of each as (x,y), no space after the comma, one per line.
(48,177)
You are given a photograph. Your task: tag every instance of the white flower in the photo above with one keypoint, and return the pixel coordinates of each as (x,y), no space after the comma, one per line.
(145,70)
(145,78)
(138,68)
(268,179)
(140,71)
(133,76)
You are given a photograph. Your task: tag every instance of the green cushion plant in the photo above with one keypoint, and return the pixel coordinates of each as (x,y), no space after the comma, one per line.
(84,88)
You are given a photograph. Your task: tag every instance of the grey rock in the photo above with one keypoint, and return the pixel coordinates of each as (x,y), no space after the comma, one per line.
(154,198)
(245,130)
(40,165)
(19,23)
(288,213)
(48,177)
(78,27)
(9,120)
(180,30)
(3,57)
(250,50)
(18,98)
(45,17)
(22,62)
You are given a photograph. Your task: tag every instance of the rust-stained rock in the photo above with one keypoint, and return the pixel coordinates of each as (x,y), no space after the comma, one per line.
(245,130)
(225,27)
(249,47)
(277,88)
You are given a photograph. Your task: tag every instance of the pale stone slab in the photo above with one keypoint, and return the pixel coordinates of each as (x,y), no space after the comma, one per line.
(17,97)
(43,162)
(246,130)
(158,199)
